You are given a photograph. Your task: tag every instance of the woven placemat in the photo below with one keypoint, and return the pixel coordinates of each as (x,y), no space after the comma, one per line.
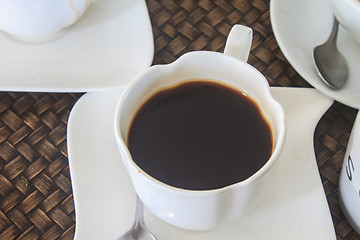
(35,189)
(35,186)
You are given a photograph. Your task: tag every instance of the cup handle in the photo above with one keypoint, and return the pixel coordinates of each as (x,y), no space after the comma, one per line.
(238,42)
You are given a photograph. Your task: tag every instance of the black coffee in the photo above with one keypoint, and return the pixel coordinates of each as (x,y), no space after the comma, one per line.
(200,135)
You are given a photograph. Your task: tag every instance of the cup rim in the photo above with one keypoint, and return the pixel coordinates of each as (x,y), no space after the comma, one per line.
(278,142)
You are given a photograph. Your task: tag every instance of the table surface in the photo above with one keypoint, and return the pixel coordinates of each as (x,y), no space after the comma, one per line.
(35,186)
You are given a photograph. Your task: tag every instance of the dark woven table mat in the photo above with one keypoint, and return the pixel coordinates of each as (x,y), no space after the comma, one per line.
(35,186)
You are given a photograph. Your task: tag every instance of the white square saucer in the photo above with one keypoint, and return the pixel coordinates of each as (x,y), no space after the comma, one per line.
(294,207)
(106,48)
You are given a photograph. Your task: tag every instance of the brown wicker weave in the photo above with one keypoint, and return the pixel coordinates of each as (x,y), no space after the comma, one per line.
(35,186)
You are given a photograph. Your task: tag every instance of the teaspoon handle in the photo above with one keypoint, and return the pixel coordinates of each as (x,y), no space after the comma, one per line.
(334,32)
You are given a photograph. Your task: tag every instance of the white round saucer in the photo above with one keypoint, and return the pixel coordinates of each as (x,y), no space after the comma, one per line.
(299,26)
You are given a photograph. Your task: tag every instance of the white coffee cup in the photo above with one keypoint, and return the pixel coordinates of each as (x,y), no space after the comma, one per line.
(202,209)
(348,14)
(39,20)
(349,183)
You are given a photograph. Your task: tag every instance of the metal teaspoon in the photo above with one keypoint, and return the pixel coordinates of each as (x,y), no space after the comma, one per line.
(138,231)
(330,63)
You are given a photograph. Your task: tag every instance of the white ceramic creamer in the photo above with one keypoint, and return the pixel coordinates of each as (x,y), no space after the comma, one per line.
(349,183)
(348,14)
(39,20)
